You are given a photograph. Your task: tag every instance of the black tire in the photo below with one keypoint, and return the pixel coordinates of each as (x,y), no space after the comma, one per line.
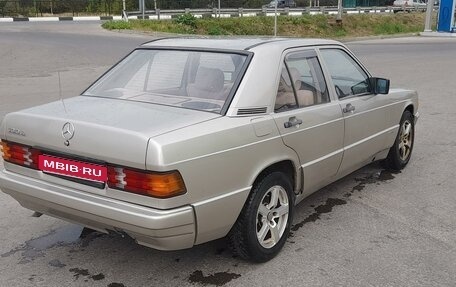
(243,238)
(396,159)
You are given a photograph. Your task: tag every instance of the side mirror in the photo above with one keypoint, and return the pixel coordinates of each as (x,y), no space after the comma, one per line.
(380,85)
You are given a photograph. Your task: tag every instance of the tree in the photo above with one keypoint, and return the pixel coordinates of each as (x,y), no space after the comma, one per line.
(2,7)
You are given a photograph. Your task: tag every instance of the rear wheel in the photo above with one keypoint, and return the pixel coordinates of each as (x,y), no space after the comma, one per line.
(264,223)
(400,153)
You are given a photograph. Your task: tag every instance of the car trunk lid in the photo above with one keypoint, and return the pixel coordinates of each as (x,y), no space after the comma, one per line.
(105,130)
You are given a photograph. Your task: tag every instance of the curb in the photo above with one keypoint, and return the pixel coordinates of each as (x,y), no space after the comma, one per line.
(56,19)
(378,37)
(438,34)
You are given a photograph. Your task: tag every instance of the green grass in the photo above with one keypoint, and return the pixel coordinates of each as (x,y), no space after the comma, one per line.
(293,26)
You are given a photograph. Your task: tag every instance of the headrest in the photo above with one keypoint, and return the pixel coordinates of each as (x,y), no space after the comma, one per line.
(209,79)
(295,75)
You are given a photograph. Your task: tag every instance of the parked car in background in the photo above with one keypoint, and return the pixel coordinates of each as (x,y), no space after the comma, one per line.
(189,140)
(409,3)
(281,4)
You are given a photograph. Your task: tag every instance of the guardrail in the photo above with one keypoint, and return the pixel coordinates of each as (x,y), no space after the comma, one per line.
(242,12)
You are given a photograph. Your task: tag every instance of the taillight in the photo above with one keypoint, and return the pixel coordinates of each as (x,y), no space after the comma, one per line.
(161,185)
(20,154)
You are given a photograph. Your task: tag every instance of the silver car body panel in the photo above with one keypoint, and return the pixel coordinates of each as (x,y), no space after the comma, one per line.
(219,157)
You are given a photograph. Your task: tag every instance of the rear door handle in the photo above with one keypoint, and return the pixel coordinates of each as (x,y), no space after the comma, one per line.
(349,108)
(293,121)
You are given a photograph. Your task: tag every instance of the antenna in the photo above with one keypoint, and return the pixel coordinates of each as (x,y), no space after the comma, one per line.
(60,93)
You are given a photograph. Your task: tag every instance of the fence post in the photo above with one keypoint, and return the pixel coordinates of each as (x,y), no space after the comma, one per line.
(241,12)
(157,11)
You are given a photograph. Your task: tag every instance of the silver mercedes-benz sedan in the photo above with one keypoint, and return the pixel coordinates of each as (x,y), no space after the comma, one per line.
(189,140)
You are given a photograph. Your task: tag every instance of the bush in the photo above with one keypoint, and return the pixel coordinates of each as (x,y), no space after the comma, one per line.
(186,19)
(116,25)
(216,30)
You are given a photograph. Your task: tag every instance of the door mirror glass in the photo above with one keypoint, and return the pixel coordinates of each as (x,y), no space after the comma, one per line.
(380,85)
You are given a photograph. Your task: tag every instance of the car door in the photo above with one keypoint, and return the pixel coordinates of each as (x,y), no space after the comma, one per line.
(365,114)
(308,121)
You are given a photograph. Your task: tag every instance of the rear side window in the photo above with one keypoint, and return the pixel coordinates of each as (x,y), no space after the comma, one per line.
(302,82)
(347,76)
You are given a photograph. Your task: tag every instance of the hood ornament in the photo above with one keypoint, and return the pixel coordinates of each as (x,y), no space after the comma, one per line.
(68,132)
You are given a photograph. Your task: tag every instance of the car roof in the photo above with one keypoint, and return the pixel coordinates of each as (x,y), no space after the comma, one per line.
(235,43)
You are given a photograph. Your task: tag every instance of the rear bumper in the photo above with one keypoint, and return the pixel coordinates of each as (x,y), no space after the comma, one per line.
(160,229)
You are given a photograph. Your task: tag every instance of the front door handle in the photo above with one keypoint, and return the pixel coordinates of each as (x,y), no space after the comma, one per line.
(349,108)
(293,121)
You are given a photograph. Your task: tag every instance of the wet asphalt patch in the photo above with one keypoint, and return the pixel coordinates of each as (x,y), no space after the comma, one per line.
(216,279)
(376,178)
(64,236)
(56,263)
(327,207)
(78,272)
(319,210)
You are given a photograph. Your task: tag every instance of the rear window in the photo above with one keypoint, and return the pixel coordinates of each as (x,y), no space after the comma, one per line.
(187,79)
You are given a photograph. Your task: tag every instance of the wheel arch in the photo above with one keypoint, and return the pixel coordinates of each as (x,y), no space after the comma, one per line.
(409,107)
(287,166)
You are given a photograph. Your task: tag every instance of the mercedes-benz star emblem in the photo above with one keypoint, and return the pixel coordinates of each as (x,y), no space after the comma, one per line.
(68,132)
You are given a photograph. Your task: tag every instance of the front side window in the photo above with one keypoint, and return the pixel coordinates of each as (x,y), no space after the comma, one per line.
(348,77)
(302,82)
(187,79)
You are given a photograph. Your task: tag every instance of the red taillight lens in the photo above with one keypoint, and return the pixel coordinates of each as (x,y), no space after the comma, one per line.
(20,154)
(161,185)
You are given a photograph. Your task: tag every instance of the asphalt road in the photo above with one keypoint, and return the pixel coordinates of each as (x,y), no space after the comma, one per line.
(372,228)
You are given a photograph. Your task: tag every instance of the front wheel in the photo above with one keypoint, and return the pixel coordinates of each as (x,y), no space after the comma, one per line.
(400,153)
(264,223)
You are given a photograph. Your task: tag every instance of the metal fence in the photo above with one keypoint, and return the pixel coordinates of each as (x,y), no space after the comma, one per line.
(155,8)
(60,7)
(251,12)
(31,8)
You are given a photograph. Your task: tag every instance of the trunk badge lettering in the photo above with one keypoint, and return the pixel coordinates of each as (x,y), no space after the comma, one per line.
(16,132)
(67,132)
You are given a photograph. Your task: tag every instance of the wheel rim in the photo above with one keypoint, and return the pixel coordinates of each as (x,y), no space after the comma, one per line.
(405,140)
(272,216)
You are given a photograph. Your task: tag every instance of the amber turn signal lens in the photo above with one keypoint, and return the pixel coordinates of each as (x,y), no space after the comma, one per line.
(165,185)
(5,150)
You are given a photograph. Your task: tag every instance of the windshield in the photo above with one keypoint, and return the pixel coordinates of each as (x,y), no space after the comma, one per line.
(187,79)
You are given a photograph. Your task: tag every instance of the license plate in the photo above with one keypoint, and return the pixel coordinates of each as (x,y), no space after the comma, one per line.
(72,168)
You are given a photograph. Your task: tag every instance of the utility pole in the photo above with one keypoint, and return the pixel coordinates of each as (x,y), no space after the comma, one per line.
(275,18)
(427,23)
(339,11)
(219,8)
(142,5)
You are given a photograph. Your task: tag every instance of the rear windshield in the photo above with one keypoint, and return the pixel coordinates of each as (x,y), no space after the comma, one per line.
(188,79)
